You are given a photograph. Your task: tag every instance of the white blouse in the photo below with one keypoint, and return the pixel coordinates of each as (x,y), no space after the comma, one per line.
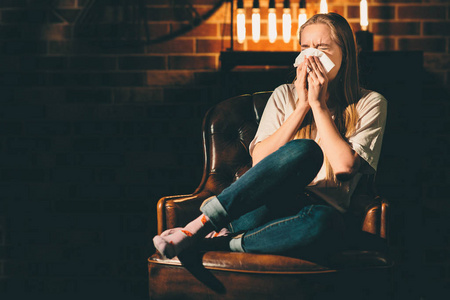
(366,140)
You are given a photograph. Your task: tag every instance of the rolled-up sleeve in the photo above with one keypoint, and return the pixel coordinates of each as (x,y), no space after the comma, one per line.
(368,136)
(273,116)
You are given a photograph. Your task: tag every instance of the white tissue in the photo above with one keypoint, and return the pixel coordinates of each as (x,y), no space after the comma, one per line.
(326,61)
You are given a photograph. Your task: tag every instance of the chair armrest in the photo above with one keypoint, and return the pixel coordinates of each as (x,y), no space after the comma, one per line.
(376,218)
(177,211)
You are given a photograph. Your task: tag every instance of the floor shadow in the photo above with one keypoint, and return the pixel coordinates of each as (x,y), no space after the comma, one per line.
(192,260)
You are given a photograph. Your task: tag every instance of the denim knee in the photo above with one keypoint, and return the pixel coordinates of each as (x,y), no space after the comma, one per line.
(329,221)
(300,149)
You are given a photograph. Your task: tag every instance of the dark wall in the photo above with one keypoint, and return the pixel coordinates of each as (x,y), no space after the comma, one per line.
(94,129)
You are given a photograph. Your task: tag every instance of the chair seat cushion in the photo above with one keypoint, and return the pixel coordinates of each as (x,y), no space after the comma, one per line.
(276,264)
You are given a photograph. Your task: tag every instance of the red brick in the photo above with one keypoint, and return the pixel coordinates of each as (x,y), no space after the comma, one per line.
(83,3)
(225,29)
(165,2)
(421,12)
(223,13)
(265,45)
(356,26)
(56,32)
(422,44)
(92,63)
(142,62)
(157,30)
(34,63)
(169,78)
(437,62)
(201,2)
(90,47)
(162,14)
(206,29)
(68,15)
(173,46)
(152,2)
(336,9)
(396,28)
(431,77)
(176,13)
(95,95)
(127,79)
(383,44)
(66,3)
(436,28)
(375,12)
(192,62)
(215,46)
(141,95)
(396,1)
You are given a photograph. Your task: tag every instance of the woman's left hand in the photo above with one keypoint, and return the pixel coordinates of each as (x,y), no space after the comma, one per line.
(317,82)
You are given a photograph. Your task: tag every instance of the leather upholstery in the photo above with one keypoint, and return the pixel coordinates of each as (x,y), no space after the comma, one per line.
(228,129)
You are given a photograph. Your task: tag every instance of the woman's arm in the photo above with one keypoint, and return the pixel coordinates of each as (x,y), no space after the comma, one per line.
(289,128)
(343,159)
(284,134)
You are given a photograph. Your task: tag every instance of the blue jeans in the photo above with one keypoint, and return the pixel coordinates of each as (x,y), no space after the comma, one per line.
(269,206)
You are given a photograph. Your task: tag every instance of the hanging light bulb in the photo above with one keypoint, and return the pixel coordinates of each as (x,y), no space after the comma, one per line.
(272,22)
(240,18)
(364,15)
(256,21)
(323,7)
(286,21)
(302,13)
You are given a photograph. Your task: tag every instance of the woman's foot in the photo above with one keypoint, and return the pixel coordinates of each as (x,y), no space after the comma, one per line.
(171,243)
(212,234)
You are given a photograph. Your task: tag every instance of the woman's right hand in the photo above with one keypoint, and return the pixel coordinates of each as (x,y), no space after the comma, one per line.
(301,86)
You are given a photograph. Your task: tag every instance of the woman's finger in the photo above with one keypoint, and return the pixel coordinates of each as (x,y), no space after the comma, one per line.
(313,63)
(319,75)
(320,65)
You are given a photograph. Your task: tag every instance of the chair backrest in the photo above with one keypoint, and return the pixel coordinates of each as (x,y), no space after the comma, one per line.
(228,129)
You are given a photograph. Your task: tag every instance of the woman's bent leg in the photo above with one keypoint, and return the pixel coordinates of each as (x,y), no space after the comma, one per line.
(316,229)
(296,163)
(287,170)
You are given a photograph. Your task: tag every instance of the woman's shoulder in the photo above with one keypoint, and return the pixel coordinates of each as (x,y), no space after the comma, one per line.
(370,98)
(284,95)
(284,89)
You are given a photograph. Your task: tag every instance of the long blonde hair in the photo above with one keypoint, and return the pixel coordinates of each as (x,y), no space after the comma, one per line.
(344,89)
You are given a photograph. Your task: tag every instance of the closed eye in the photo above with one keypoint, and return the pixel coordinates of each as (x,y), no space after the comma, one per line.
(304,46)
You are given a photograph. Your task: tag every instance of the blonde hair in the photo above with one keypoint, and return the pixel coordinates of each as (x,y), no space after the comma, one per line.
(344,89)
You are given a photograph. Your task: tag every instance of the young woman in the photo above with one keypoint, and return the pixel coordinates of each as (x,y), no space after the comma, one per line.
(315,139)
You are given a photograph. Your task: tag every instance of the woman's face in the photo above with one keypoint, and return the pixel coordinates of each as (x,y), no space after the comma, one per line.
(318,36)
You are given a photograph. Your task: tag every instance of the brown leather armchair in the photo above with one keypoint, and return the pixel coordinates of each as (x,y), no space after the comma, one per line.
(361,271)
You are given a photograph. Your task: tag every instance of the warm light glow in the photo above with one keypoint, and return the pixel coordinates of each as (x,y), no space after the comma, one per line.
(240,25)
(364,15)
(302,18)
(256,25)
(286,25)
(323,7)
(272,20)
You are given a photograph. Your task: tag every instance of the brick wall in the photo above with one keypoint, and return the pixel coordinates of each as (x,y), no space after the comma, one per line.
(96,125)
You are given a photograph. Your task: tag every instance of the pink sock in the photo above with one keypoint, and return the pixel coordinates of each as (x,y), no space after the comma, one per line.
(172,244)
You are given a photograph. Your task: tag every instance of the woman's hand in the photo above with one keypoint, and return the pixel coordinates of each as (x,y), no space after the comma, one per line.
(317,82)
(301,87)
